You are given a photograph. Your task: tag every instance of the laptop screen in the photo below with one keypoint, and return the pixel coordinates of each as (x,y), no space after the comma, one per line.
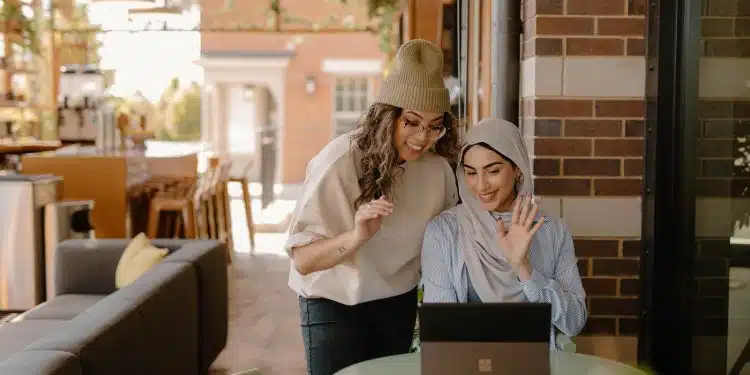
(485,322)
(485,338)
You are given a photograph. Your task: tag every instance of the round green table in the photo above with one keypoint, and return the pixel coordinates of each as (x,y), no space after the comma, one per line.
(561,363)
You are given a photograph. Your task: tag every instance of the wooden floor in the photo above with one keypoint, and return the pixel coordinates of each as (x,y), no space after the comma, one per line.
(264,329)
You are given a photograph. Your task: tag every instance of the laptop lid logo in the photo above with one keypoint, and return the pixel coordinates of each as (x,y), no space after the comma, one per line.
(484,365)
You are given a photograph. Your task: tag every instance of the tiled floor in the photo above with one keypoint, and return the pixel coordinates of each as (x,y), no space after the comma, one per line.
(264,328)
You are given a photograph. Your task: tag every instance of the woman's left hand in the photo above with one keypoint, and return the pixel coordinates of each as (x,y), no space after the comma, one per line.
(516,240)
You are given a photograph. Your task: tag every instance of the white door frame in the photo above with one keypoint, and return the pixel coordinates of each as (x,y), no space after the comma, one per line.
(220,72)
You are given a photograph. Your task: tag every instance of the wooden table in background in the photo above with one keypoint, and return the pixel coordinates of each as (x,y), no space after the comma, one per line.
(105,177)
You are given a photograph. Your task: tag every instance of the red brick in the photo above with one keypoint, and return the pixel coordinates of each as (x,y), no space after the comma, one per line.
(631,248)
(593,128)
(635,128)
(614,306)
(563,108)
(543,47)
(597,286)
(615,267)
(630,287)
(633,167)
(594,47)
(546,167)
(618,147)
(628,326)
(617,187)
(621,26)
(562,186)
(542,7)
(637,7)
(547,127)
(599,325)
(595,248)
(562,147)
(564,25)
(591,167)
(620,108)
(636,47)
(596,7)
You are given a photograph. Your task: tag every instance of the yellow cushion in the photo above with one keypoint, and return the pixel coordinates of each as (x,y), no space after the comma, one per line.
(137,258)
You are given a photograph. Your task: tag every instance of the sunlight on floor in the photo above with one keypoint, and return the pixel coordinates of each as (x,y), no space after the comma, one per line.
(270,224)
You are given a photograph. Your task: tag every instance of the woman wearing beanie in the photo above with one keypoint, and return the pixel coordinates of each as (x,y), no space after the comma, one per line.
(356,234)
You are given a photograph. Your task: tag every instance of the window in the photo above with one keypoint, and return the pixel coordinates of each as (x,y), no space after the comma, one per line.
(351,98)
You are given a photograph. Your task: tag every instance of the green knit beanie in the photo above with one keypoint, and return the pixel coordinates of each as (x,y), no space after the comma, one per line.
(416,80)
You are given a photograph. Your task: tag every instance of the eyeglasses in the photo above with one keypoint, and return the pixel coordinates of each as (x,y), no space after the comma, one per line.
(433,132)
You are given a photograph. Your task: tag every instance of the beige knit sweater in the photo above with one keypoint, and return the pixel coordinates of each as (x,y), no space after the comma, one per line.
(388,264)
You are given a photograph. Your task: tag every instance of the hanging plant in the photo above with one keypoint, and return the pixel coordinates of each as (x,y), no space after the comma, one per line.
(384,13)
(382,17)
(19,29)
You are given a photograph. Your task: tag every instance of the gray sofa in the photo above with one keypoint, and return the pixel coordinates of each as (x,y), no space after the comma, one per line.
(172,320)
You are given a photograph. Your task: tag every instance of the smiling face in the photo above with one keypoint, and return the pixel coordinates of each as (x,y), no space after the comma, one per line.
(490,177)
(416,132)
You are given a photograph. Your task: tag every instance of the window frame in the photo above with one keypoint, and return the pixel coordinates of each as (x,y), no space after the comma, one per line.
(337,115)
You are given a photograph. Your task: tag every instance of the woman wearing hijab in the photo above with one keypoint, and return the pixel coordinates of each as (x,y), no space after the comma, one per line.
(356,235)
(495,246)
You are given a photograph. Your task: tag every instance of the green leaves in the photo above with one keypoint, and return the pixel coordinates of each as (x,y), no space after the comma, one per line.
(382,15)
(12,15)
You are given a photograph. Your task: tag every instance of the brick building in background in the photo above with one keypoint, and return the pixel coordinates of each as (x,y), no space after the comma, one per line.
(301,88)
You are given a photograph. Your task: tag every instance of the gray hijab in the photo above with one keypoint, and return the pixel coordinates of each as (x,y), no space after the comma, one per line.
(491,275)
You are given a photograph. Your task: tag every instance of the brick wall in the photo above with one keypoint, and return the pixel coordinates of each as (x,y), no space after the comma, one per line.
(583,88)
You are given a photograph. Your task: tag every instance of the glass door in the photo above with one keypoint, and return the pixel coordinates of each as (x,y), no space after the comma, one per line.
(696,269)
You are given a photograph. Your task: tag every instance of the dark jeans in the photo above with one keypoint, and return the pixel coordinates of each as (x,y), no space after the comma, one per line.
(337,336)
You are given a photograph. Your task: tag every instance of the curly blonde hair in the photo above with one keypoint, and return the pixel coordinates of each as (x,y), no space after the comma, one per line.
(380,165)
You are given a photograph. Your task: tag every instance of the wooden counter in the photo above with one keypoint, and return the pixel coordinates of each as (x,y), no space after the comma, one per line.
(106,176)
(22,147)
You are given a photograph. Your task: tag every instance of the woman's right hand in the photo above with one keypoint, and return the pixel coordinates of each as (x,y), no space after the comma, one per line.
(369,218)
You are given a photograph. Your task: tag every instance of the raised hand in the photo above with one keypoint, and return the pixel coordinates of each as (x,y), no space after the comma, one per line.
(516,240)
(369,218)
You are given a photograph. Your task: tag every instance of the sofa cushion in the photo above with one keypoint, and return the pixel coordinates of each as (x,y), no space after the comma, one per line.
(137,258)
(210,262)
(17,335)
(167,297)
(147,327)
(37,362)
(67,307)
(108,338)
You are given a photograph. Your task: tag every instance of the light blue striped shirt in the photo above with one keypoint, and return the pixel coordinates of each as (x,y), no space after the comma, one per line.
(555,278)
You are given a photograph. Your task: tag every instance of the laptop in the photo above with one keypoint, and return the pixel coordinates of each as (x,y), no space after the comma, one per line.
(485,338)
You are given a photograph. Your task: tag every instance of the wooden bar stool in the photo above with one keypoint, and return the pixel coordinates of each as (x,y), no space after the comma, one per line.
(215,214)
(176,199)
(247,201)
